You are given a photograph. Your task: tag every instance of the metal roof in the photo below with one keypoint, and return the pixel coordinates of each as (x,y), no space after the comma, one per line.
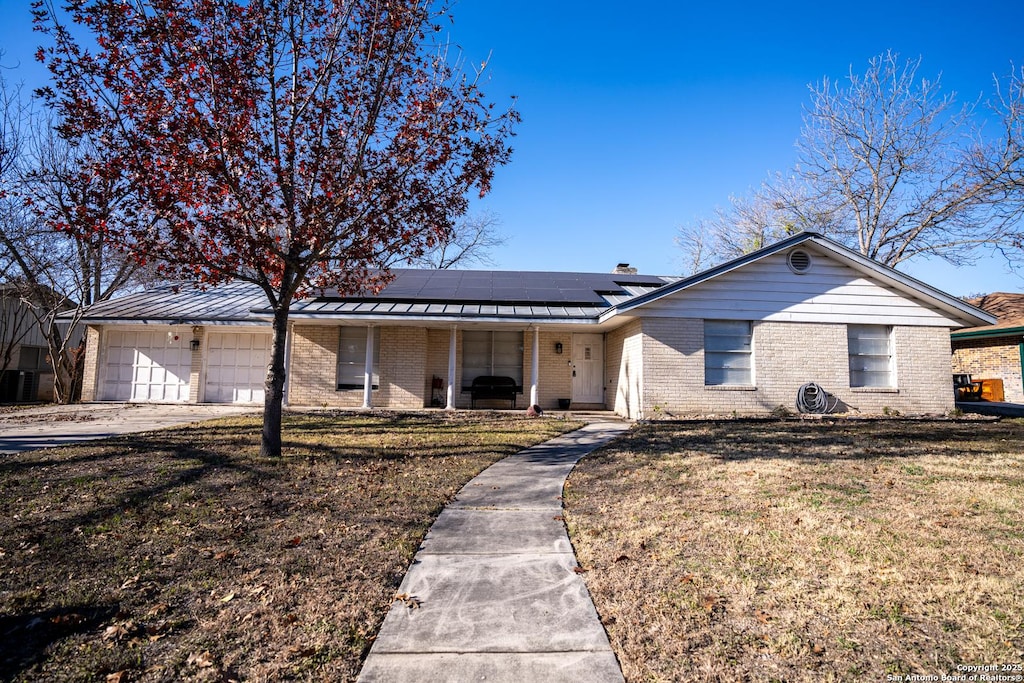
(428,294)
(183,304)
(519,297)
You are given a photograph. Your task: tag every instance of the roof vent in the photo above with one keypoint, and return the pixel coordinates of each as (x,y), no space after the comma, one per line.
(624,269)
(799,261)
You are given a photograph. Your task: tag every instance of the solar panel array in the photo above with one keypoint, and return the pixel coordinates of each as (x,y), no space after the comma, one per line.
(445,293)
(505,287)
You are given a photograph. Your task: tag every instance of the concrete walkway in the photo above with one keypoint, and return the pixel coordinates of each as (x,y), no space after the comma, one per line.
(492,595)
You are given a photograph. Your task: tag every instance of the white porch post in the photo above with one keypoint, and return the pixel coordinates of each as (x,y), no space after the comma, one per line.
(368,370)
(450,402)
(534,366)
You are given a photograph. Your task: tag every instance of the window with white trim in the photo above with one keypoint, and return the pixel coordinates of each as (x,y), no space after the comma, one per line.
(870,348)
(497,353)
(728,352)
(352,358)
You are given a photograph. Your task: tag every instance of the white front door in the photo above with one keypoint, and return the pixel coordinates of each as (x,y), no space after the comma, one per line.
(588,368)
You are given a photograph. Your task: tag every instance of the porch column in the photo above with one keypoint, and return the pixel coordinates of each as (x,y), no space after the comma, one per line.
(450,403)
(534,366)
(368,370)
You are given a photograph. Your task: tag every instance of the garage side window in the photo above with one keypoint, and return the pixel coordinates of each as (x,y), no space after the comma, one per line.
(870,355)
(727,352)
(491,353)
(352,358)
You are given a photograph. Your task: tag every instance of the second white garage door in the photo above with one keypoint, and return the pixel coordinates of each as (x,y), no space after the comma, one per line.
(236,367)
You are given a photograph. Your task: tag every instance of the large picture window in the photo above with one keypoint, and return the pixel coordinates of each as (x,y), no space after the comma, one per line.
(492,353)
(870,355)
(352,359)
(727,352)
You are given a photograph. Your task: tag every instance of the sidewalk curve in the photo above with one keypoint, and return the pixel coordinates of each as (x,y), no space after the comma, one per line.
(492,594)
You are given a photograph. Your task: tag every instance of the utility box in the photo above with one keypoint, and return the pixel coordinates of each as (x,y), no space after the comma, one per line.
(992,390)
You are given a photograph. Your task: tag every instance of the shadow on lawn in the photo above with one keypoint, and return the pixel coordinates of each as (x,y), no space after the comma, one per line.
(861,439)
(26,636)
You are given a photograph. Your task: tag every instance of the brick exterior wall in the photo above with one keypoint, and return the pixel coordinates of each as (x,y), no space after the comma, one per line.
(624,369)
(314,369)
(787,355)
(992,358)
(196,364)
(554,374)
(402,371)
(410,357)
(91,371)
(437,364)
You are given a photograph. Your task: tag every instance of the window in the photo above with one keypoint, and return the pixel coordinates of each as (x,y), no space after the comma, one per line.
(352,359)
(727,352)
(492,353)
(870,355)
(33,358)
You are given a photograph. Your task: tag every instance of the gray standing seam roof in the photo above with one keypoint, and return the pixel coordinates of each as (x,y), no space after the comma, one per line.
(419,293)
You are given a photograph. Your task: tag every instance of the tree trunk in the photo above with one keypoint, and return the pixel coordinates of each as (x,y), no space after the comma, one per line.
(270,445)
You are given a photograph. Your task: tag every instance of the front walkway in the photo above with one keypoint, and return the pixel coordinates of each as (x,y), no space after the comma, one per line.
(492,594)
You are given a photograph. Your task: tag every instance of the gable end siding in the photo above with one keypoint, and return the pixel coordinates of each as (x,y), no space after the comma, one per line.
(768,290)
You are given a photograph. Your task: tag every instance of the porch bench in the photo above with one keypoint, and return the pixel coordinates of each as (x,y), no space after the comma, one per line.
(493,387)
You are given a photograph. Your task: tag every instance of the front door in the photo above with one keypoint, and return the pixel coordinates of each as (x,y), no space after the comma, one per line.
(588,368)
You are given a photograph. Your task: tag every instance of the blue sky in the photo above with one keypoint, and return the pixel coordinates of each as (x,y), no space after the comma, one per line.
(639,118)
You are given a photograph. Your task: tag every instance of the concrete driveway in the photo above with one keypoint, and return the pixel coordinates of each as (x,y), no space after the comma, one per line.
(25,429)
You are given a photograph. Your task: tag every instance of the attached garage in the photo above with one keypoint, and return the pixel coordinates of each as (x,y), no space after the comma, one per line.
(147,365)
(236,367)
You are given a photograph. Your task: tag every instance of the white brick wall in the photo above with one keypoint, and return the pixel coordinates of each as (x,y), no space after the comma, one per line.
(787,355)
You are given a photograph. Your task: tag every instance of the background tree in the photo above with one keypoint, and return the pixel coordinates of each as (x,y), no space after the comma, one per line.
(893,167)
(469,244)
(294,144)
(56,271)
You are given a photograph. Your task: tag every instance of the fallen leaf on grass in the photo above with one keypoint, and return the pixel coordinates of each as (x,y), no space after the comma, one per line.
(225,555)
(158,609)
(411,601)
(116,677)
(763,616)
(296,651)
(228,598)
(558,518)
(713,604)
(291,543)
(579,570)
(201,659)
(622,558)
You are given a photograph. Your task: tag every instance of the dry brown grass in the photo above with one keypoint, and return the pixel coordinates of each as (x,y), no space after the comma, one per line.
(182,555)
(806,551)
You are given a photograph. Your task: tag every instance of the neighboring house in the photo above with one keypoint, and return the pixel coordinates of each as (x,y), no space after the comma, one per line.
(25,371)
(995,352)
(742,337)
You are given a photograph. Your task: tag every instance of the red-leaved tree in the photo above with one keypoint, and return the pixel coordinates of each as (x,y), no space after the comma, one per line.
(294,144)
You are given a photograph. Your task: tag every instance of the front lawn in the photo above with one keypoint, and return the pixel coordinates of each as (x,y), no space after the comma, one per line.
(181,554)
(806,550)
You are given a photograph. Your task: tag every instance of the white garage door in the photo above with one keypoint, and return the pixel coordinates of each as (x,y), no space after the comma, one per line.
(236,367)
(146,366)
